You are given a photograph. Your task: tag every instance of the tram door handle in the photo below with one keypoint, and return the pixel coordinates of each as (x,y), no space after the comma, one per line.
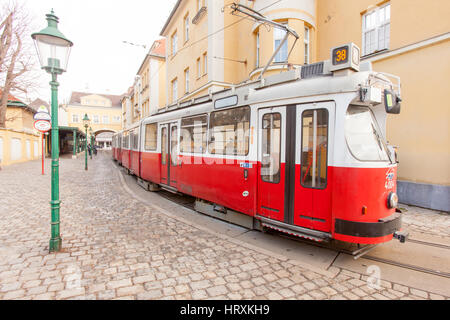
(245,174)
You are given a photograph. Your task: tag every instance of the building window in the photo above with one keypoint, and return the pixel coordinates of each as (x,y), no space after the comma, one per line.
(205,63)
(186,80)
(257,49)
(376,29)
(174,43)
(95,119)
(174,90)
(186,28)
(199,68)
(278,36)
(75,118)
(106,119)
(200,4)
(116,118)
(307,43)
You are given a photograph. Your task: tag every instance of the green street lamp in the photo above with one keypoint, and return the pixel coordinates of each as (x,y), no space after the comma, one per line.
(53,49)
(86,122)
(90,133)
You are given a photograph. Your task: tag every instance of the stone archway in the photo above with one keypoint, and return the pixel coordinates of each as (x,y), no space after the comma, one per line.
(103,138)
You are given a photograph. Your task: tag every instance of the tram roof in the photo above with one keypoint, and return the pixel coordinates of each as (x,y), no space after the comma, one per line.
(288,85)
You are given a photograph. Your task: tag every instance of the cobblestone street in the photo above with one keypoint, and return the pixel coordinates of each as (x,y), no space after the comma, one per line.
(117,247)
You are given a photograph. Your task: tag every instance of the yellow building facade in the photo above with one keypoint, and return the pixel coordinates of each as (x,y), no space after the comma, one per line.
(104,112)
(19,141)
(147,94)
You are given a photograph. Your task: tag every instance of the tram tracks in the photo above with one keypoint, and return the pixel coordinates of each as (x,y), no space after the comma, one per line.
(380,254)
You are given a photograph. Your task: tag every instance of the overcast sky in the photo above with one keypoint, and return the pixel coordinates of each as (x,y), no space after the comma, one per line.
(100,62)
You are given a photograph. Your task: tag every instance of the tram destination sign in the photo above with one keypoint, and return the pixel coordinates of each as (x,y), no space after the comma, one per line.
(345,57)
(42,125)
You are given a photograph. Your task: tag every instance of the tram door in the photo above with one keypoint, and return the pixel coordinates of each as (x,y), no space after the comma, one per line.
(315,125)
(173,154)
(271,162)
(293,164)
(164,154)
(169,154)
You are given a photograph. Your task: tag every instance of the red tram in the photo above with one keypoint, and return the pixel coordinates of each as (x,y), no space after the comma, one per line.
(303,152)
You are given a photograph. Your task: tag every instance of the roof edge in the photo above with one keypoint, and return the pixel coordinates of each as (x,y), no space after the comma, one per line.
(175,8)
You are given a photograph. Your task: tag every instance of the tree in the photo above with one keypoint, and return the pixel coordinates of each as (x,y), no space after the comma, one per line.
(17,60)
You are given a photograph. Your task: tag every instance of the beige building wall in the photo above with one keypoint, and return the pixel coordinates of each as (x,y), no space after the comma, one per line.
(102,114)
(418,52)
(19,128)
(190,51)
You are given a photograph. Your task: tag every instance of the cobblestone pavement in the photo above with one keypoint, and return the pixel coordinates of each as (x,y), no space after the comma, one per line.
(115,247)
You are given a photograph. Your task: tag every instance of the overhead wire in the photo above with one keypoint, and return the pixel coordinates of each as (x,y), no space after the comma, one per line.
(214,33)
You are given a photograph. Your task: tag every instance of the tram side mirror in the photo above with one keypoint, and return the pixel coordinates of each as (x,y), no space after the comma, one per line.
(392,102)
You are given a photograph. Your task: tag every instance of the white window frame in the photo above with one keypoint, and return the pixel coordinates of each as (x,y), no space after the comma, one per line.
(205,63)
(375,27)
(278,35)
(95,119)
(186,80)
(174,44)
(186,28)
(257,49)
(77,118)
(307,42)
(174,90)
(107,119)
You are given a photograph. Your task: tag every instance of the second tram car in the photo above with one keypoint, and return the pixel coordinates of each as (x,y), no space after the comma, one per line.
(303,152)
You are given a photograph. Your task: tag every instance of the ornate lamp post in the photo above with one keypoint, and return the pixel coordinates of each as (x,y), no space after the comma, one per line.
(53,49)
(91,133)
(86,122)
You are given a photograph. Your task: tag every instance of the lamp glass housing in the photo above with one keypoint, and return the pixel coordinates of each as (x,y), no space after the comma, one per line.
(86,121)
(52,46)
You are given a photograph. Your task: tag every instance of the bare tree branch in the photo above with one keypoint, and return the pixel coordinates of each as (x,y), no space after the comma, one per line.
(16,52)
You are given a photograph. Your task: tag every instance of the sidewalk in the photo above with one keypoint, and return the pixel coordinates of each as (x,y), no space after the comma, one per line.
(116,247)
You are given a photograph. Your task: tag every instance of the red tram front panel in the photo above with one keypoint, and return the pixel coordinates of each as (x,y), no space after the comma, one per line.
(360,197)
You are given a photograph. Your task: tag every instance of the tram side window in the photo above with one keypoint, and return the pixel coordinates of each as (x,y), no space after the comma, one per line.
(174,146)
(125,141)
(164,145)
(193,134)
(150,137)
(131,136)
(314,148)
(271,147)
(136,140)
(229,132)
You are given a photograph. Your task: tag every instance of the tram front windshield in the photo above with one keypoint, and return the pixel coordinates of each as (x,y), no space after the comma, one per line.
(363,135)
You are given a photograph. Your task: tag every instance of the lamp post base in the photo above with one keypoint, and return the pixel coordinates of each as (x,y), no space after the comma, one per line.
(55,245)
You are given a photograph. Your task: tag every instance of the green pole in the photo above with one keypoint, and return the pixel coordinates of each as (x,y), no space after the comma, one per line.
(55,203)
(74,144)
(85,152)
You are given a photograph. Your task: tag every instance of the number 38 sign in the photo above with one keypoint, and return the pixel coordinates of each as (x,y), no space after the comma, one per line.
(340,55)
(345,57)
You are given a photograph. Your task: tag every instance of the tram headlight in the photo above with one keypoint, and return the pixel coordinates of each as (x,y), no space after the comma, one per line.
(392,200)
